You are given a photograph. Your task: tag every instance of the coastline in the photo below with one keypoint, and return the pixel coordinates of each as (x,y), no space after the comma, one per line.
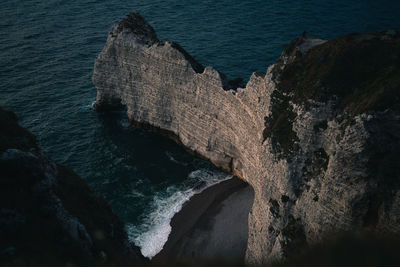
(212,224)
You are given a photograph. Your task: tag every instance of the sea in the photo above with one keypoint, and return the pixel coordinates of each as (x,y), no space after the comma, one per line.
(47,52)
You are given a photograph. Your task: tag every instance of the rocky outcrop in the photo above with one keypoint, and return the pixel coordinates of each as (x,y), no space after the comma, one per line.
(48,215)
(316,136)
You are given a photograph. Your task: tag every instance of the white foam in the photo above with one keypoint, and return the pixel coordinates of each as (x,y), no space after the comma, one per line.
(209,177)
(91,105)
(171,158)
(153,233)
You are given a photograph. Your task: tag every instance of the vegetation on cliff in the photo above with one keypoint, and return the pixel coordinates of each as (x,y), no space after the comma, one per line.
(328,113)
(360,72)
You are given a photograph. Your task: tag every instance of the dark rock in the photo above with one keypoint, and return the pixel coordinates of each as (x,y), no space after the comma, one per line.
(48,215)
(137,25)
(323,121)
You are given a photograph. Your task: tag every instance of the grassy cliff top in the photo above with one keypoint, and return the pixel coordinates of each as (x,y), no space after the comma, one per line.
(363,70)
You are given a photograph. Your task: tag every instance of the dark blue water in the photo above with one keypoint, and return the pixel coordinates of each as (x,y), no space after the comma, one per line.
(47,50)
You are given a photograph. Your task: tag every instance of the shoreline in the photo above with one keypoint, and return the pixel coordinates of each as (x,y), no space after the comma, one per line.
(212,224)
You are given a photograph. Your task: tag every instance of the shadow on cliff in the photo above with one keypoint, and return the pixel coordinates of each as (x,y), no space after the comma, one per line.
(155,156)
(48,214)
(345,250)
(349,249)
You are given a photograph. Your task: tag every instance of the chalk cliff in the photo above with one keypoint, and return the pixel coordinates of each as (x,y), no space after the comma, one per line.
(316,136)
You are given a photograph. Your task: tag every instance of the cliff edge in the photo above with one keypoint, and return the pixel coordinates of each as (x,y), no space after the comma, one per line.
(48,214)
(316,136)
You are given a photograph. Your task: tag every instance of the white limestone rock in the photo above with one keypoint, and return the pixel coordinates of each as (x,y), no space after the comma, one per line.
(315,181)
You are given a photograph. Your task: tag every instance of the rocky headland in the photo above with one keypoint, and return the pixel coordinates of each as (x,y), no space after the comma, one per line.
(317,136)
(48,214)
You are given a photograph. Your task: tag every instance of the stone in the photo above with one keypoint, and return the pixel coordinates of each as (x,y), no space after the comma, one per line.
(48,214)
(320,128)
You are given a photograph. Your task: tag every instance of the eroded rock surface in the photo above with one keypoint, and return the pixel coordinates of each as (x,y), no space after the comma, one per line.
(316,136)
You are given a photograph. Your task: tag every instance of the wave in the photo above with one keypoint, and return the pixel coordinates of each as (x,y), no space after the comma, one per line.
(153,233)
(86,106)
(174,160)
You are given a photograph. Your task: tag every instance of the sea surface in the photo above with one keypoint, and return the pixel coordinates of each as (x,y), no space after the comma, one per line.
(47,51)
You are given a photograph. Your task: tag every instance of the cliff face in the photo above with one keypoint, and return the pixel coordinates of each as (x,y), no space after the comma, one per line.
(48,215)
(316,136)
